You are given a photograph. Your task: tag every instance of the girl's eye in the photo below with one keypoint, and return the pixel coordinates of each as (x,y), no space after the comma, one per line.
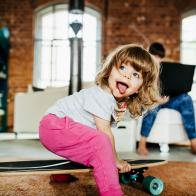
(122,68)
(135,74)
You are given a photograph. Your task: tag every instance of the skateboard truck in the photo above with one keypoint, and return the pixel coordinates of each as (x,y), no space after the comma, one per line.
(135,177)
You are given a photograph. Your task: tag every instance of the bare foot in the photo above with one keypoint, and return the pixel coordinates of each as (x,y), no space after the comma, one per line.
(193,145)
(142,150)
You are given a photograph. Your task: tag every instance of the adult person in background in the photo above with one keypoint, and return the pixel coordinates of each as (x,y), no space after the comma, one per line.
(181,103)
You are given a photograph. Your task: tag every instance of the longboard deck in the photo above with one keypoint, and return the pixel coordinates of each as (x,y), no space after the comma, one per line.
(60,166)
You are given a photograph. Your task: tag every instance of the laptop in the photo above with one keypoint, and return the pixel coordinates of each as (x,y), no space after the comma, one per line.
(176,78)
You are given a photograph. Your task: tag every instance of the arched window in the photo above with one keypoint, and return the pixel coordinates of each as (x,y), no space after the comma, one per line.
(188,44)
(52,49)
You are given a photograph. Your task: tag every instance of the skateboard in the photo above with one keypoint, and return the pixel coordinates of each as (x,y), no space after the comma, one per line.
(135,177)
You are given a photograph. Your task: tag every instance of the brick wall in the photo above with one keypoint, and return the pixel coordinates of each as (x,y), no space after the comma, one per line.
(18,16)
(124,21)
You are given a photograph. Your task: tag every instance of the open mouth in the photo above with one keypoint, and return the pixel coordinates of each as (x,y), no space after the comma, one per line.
(122,87)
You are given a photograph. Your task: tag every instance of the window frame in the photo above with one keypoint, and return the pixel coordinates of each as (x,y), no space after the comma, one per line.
(52,9)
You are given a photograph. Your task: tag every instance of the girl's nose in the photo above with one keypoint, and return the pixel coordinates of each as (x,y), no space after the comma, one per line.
(127,76)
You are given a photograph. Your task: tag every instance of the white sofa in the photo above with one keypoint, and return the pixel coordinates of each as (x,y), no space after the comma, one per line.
(125,135)
(167,129)
(30,107)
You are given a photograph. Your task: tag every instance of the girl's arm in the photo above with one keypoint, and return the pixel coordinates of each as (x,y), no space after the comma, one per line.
(104,125)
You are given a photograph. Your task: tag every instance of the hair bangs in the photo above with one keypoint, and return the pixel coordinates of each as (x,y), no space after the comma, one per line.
(138,65)
(138,58)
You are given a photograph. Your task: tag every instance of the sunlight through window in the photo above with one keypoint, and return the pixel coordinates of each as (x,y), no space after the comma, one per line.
(188,45)
(52,49)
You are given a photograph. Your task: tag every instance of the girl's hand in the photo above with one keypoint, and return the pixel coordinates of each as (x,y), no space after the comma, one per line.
(123,166)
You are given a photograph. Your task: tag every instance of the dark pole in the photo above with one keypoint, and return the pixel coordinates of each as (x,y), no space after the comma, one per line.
(76,65)
(76,8)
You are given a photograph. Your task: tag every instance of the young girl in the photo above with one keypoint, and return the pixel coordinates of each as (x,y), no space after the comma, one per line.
(78,127)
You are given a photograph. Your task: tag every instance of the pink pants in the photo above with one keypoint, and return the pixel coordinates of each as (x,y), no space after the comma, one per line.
(85,145)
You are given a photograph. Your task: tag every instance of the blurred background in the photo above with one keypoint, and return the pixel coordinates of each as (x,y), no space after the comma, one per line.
(35,47)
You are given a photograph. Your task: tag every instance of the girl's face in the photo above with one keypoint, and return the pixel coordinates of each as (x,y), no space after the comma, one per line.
(124,81)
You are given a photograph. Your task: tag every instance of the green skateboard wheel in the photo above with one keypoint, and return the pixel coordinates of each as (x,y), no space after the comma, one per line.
(124,178)
(153,185)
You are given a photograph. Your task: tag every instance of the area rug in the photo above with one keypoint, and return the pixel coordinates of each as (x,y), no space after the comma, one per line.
(179,178)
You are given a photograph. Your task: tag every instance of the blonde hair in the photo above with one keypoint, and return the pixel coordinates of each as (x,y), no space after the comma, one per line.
(149,93)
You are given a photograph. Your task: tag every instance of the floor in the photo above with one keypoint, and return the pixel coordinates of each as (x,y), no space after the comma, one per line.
(32,149)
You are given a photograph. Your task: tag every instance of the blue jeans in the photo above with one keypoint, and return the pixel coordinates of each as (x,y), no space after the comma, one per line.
(183,104)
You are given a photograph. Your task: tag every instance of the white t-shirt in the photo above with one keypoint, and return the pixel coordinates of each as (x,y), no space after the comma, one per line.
(82,105)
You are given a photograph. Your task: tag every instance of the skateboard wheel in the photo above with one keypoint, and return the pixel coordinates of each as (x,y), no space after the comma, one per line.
(153,185)
(124,178)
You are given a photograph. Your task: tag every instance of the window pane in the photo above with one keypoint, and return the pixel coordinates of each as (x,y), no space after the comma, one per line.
(45,60)
(188,46)
(91,37)
(193,91)
(89,61)
(90,28)
(60,63)
(188,52)
(47,26)
(188,28)
(60,25)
